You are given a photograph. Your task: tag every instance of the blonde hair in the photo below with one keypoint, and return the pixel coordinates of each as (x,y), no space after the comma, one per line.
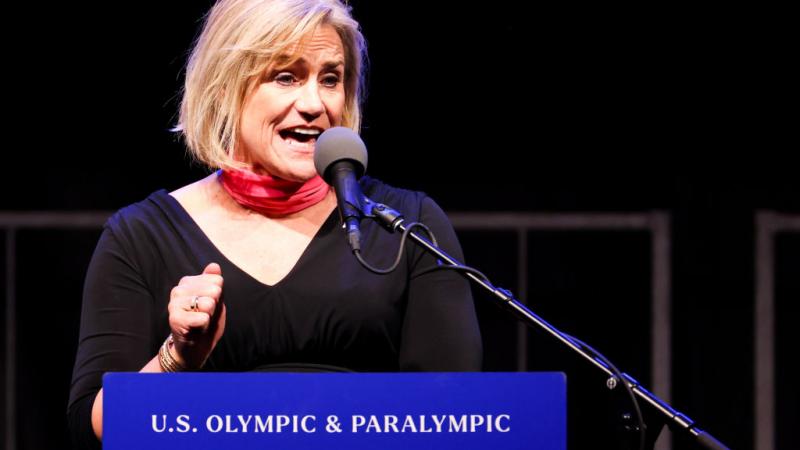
(239,40)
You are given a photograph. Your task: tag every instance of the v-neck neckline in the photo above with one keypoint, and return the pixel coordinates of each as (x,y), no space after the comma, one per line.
(185,218)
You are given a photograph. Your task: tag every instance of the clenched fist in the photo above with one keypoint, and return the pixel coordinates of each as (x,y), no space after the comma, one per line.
(197,316)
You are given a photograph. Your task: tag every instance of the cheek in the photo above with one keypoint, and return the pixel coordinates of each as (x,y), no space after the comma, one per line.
(335,108)
(262,109)
(252,117)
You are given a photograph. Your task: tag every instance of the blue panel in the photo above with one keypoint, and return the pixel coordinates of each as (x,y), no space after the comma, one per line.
(335,411)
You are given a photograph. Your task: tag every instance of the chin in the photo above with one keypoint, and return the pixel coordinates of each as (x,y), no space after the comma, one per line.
(301,175)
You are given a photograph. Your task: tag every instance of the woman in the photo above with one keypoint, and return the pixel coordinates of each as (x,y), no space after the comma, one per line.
(247,268)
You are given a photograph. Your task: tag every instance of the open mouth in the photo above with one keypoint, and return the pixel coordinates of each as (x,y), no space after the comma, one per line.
(300,135)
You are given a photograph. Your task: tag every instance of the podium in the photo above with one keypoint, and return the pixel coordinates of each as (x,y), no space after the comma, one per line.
(463,411)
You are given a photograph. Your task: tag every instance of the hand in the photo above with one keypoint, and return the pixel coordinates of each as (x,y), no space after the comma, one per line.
(196,332)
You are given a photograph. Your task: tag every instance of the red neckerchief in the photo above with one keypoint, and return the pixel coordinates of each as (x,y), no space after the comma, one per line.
(272,196)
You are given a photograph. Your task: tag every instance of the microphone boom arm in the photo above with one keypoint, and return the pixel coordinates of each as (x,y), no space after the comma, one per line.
(393,221)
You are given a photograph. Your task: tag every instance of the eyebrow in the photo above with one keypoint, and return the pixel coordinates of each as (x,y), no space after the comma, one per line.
(333,64)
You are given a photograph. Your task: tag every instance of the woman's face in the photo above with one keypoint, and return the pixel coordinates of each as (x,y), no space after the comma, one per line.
(291,106)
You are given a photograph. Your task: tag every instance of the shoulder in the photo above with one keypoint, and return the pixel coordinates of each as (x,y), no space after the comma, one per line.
(406,201)
(415,205)
(155,218)
(138,213)
(161,207)
(127,234)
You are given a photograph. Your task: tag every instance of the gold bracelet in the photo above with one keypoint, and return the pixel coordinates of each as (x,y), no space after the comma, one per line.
(163,360)
(167,362)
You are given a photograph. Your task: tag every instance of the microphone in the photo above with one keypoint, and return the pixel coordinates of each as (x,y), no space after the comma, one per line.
(340,158)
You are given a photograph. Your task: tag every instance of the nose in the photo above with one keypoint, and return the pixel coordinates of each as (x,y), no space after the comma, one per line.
(309,103)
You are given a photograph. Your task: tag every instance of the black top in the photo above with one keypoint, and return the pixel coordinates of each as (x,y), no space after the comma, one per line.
(327,310)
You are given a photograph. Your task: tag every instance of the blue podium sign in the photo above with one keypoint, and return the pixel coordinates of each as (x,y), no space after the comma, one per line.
(461,411)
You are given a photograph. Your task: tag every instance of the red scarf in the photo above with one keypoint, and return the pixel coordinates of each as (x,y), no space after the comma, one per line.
(272,196)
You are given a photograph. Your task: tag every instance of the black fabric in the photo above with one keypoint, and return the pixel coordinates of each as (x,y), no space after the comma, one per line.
(328,310)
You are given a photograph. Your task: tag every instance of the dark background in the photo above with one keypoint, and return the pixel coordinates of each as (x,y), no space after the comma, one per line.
(488,107)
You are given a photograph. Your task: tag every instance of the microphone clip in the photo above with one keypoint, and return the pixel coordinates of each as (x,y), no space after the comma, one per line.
(387,217)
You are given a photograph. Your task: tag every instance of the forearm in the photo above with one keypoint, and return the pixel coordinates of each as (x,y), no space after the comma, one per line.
(153,366)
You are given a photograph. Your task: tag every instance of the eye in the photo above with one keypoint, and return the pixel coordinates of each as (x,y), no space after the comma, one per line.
(284,78)
(331,80)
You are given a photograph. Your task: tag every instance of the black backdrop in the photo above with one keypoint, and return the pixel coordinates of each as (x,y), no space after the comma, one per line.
(490,107)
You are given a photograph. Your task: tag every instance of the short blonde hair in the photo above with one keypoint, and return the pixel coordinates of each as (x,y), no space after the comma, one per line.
(239,40)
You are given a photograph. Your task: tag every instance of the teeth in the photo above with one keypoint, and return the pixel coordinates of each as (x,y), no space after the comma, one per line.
(305,131)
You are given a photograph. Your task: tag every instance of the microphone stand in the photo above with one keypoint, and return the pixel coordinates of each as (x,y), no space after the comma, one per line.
(393,221)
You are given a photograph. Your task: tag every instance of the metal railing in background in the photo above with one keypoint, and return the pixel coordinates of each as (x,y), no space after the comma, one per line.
(768,224)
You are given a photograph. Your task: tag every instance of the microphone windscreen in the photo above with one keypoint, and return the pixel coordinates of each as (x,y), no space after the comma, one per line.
(337,144)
